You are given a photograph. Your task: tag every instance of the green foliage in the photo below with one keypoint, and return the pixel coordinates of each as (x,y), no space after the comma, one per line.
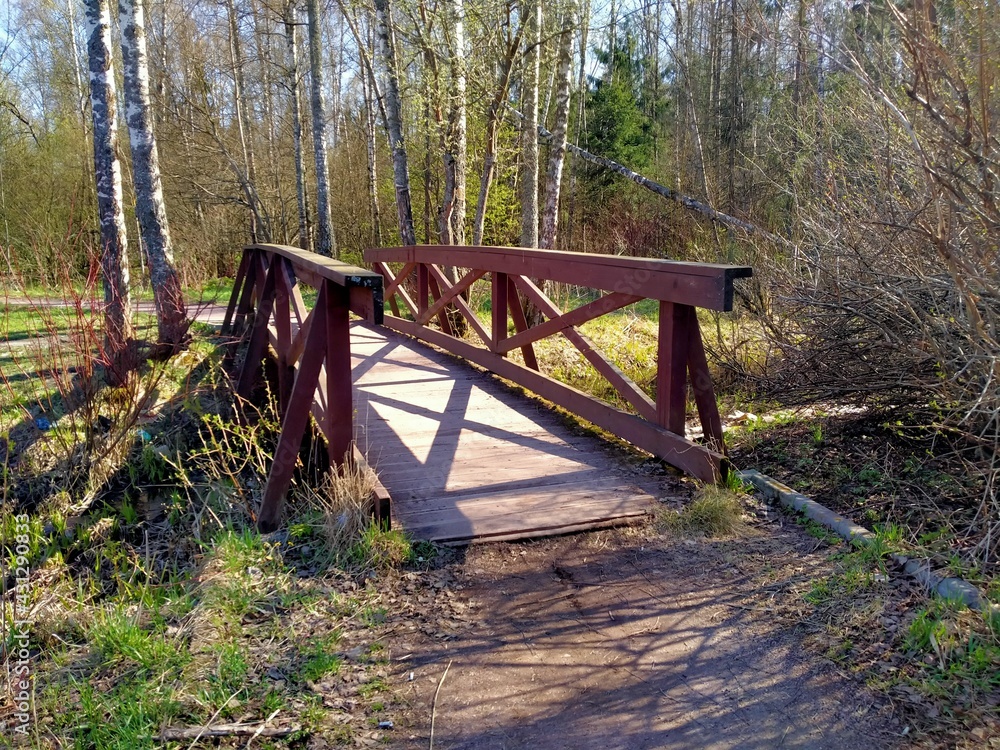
(617,128)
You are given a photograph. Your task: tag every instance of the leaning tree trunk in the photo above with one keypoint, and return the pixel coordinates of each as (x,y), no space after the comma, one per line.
(557,150)
(326,243)
(107,171)
(529,133)
(394,120)
(171,315)
(291,37)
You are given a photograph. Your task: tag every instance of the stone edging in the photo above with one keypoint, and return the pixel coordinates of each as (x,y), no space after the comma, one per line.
(945,586)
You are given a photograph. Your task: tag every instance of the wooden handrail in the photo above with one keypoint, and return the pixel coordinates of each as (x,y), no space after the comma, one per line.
(707,285)
(311,347)
(423,292)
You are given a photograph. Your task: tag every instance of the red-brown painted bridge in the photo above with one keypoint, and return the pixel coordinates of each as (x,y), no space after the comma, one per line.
(463,455)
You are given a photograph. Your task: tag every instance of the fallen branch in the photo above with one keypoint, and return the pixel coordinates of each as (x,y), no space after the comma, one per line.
(225,730)
(662,190)
(434,705)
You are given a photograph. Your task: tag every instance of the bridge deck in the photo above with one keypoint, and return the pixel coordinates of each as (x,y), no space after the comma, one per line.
(465,458)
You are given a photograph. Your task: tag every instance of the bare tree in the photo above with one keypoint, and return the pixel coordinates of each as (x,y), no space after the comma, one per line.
(291,39)
(326,243)
(394,121)
(150,211)
(557,149)
(107,171)
(532,10)
(493,114)
(453,210)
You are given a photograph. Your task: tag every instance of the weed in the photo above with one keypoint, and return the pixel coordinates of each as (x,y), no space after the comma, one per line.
(380,548)
(714,511)
(319,659)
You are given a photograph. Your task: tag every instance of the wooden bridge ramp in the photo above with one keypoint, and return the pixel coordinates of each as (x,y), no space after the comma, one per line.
(465,458)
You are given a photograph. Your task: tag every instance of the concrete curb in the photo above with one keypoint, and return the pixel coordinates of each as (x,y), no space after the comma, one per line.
(944,586)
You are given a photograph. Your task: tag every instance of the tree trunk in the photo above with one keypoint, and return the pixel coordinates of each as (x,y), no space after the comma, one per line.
(453,210)
(257,224)
(557,149)
(581,108)
(291,39)
(394,119)
(326,243)
(529,133)
(368,89)
(107,171)
(150,211)
(492,126)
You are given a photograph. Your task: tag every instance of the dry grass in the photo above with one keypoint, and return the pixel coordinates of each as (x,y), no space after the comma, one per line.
(715,511)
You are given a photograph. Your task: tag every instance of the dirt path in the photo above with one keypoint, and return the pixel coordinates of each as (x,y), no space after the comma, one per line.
(623,639)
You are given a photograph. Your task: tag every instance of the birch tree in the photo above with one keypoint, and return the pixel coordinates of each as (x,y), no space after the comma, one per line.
(291,39)
(107,171)
(394,121)
(557,149)
(532,10)
(453,210)
(325,241)
(151,213)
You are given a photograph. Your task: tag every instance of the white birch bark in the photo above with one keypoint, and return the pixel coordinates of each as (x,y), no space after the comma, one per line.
(457,141)
(557,149)
(291,39)
(151,213)
(325,241)
(532,10)
(107,171)
(368,89)
(394,120)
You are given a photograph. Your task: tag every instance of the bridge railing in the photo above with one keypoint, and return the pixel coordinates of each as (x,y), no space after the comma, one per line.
(422,290)
(312,348)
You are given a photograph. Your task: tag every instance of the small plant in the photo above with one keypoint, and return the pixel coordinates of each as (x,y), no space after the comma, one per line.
(380,548)
(320,659)
(817,436)
(714,511)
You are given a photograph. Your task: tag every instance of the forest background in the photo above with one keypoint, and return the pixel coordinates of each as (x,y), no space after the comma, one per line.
(847,151)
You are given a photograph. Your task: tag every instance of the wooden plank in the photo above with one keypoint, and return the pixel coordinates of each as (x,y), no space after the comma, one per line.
(342,274)
(451,291)
(621,382)
(548,512)
(701,284)
(442,314)
(258,336)
(339,407)
(704,390)
(283,331)
(246,295)
(293,425)
(460,303)
(671,367)
(578,316)
(234,297)
(520,323)
(697,460)
(498,308)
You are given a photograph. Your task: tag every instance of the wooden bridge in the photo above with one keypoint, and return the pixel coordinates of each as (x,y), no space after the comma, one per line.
(462,455)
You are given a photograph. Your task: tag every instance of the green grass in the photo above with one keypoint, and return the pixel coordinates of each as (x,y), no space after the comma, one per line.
(715,511)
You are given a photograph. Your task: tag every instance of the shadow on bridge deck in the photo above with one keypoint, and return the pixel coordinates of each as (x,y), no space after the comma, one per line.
(466,458)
